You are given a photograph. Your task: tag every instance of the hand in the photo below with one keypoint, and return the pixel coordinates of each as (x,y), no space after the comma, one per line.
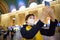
(51,14)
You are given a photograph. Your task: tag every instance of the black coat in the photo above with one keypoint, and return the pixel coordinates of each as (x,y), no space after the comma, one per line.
(32,32)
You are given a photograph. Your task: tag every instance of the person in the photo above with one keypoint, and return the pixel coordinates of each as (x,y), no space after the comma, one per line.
(12,33)
(17,35)
(4,35)
(15,32)
(0,33)
(31,28)
(0,30)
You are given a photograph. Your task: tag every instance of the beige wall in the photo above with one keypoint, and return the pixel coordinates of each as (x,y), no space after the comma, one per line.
(58,1)
(57,11)
(6,19)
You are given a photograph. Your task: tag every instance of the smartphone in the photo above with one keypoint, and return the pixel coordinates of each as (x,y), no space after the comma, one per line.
(47,3)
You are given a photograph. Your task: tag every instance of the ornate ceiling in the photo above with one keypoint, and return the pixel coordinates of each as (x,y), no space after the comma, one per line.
(3,7)
(5,4)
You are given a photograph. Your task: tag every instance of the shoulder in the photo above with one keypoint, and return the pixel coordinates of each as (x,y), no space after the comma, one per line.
(23,26)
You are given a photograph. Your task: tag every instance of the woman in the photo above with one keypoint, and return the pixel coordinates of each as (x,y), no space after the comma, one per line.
(31,29)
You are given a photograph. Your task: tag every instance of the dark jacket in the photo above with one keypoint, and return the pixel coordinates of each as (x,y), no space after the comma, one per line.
(32,32)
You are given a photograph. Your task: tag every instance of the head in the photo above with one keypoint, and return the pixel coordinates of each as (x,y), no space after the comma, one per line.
(30,19)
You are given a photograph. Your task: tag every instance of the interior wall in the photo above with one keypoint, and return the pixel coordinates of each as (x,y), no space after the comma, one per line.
(20,19)
(57,11)
(20,15)
(5,21)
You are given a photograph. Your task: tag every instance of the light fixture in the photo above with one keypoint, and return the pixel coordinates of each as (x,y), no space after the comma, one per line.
(22,8)
(21,5)
(33,4)
(16,25)
(13,18)
(12,8)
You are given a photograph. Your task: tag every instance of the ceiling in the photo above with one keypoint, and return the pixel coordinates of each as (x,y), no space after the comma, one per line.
(15,2)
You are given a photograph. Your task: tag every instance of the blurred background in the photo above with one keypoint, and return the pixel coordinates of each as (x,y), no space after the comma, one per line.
(13,12)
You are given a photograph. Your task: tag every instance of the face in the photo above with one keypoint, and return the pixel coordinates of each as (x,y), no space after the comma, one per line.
(31,20)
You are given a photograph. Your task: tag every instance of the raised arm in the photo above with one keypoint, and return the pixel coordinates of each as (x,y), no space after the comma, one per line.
(51,30)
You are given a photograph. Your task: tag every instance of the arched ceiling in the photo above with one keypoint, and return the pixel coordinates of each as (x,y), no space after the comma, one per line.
(3,7)
(5,4)
(15,2)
